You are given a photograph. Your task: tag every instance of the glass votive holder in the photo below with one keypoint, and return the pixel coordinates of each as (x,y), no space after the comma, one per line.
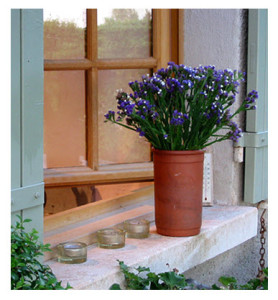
(72,252)
(137,229)
(111,238)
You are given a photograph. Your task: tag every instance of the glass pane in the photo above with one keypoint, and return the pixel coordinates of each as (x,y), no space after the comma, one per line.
(124,33)
(64,119)
(116,143)
(62,198)
(64,33)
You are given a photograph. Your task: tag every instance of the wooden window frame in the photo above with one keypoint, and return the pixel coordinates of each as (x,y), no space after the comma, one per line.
(167,46)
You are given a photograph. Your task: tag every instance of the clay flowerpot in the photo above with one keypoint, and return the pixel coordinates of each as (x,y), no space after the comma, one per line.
(178,181)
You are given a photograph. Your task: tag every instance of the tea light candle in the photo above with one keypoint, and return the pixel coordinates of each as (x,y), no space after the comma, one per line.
(111,238)
(137,229)
(72,252)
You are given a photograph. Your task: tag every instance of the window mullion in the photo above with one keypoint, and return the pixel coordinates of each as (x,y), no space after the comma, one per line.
(92,90)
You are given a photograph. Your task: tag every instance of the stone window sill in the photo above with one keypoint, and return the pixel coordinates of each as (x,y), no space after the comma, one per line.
(223,228)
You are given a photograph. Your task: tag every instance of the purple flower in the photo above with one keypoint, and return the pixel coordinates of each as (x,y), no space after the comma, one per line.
(185,116)
(235,132)
(178,118)
(141,132)
(125,106)
(146,109)
(251,97)
(109,114)
(189,83)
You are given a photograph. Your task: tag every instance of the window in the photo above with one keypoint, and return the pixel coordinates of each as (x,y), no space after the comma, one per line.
(88,56)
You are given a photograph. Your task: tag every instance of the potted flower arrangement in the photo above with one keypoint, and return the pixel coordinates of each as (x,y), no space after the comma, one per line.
(181,110)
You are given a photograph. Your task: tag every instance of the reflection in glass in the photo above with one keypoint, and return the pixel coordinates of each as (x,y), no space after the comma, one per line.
(85,194)
(116,143)
(64,34)
(64,119)
(124,33)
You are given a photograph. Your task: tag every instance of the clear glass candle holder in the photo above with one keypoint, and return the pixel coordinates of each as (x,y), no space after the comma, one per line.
(111,238)
(72,252)
(137,229)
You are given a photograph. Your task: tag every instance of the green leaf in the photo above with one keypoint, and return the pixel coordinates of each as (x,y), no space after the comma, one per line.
(26,221)
(115,286)
(142,269)
(265,284)
(26,271)
(215,287)
(251,284)
(154,279)
(173,280)
(227,281)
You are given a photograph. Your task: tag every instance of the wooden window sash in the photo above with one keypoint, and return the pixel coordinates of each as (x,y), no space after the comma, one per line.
(166,26)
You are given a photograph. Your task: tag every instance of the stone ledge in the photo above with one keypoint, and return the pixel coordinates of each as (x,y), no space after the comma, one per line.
(223,228)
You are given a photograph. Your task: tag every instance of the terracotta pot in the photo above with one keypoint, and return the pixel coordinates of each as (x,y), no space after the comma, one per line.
(178,181)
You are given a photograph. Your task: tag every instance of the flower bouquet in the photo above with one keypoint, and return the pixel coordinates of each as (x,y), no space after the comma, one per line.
(183,108)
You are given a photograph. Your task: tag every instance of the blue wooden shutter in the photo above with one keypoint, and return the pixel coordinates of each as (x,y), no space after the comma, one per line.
(255,139)
(27,187)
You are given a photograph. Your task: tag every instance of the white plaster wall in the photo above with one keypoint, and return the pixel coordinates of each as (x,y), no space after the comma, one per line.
(217,37)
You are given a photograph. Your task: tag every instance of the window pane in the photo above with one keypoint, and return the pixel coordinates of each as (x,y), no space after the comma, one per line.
(64,119)
(124,33)
(64,34)
(116,143)
(81,195)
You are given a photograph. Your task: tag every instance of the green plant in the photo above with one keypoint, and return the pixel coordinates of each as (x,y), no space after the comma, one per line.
(230,283)
(27,272)
(162,281)
(172,280)
(183,108)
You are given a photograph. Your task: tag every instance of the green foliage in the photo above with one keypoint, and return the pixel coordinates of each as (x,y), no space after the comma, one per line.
(120,36)
(124,35)
(162,281)
(27,273)
(173,281)
(63,40)
(230,283)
